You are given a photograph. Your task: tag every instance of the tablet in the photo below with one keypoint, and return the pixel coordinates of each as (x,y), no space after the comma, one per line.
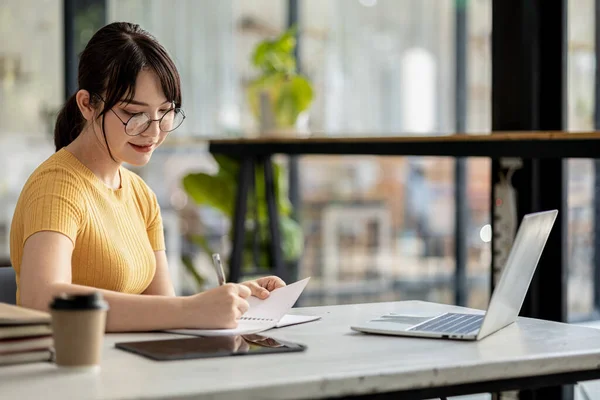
(207,347)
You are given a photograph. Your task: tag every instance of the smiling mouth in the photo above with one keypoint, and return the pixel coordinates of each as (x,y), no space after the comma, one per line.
(142,148)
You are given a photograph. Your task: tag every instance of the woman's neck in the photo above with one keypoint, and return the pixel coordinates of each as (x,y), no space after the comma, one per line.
(95,156)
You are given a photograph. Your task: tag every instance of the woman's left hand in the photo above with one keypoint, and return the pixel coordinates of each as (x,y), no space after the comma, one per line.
(262,286)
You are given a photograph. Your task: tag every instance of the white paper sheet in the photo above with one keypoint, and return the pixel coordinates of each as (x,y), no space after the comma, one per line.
(295,319)
(262,314)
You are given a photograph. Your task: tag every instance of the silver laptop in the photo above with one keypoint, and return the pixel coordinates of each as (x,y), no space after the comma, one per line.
(506,300)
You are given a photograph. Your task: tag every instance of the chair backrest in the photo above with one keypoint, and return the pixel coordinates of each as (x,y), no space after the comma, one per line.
(8,285)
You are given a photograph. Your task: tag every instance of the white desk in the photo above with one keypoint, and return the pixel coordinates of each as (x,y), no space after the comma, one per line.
(338,362)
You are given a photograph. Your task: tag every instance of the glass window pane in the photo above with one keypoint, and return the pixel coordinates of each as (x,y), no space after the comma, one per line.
(211,43)
(31,92)
(479,66)
(479,119)
(31,66)
(382,228)
(581,173)
(379,67)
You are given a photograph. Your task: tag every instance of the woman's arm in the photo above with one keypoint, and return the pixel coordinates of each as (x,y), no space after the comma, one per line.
(46,272)
(161,284)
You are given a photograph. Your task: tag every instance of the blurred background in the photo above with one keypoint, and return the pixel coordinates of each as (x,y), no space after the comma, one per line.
(378,67)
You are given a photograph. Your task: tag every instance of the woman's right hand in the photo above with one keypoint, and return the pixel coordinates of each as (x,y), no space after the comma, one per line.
(217,308)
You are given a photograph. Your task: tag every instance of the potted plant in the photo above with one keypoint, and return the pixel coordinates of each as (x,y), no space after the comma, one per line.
(279,97)
(218,191)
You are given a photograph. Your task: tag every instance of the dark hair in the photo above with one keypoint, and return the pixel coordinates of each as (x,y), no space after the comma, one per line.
(109,66)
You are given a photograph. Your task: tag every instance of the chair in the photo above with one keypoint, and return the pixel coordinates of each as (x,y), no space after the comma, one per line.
(8,285)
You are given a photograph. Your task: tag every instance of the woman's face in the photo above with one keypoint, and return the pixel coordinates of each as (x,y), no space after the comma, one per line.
(149,99)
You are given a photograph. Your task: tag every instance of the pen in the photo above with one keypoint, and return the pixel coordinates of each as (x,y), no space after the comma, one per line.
(218,268)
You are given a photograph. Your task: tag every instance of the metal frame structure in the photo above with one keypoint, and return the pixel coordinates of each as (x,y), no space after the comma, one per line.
(529,54)
(72,9)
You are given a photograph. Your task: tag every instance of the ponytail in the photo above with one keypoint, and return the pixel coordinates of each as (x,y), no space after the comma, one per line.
(69,124)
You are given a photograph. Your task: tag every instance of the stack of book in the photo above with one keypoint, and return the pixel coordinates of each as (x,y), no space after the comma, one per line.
(25,335)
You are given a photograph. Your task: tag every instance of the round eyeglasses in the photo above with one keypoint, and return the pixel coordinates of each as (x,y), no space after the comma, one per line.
(140,122)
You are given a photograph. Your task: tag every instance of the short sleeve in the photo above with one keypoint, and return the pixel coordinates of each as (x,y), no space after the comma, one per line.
(53,202)
(154,225)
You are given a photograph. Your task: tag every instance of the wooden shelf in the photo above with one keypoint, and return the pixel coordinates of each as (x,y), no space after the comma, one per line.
(545,144)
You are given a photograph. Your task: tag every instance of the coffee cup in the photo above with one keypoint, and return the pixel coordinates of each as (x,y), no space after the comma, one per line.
(78,325)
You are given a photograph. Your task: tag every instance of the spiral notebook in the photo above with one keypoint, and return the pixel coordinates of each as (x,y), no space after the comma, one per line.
(263,314)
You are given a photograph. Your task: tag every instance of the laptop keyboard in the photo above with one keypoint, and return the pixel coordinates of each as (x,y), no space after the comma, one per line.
(451,323)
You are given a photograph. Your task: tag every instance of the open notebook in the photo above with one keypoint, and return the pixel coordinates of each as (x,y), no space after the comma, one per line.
(263,314)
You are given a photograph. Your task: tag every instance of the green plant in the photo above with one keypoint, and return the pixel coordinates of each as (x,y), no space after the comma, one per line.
(288,93)
(218,191)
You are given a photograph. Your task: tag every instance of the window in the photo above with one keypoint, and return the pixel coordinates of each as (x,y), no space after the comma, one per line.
(581,172)
(31,92)
(387,68)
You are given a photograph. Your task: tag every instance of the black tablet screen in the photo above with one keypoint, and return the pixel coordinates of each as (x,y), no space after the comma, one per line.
(204,347)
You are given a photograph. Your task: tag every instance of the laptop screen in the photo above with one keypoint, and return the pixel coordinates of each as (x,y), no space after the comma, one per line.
(508,296)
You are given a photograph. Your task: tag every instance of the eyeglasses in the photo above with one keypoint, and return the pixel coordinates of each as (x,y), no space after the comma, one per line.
(140,122)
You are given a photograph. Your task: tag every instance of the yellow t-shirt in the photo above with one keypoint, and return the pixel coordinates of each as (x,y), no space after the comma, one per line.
(114,232)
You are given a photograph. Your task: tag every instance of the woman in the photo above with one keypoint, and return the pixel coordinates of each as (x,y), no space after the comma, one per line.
(84,223)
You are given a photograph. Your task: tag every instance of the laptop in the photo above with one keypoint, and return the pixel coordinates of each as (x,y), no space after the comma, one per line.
(504,305)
